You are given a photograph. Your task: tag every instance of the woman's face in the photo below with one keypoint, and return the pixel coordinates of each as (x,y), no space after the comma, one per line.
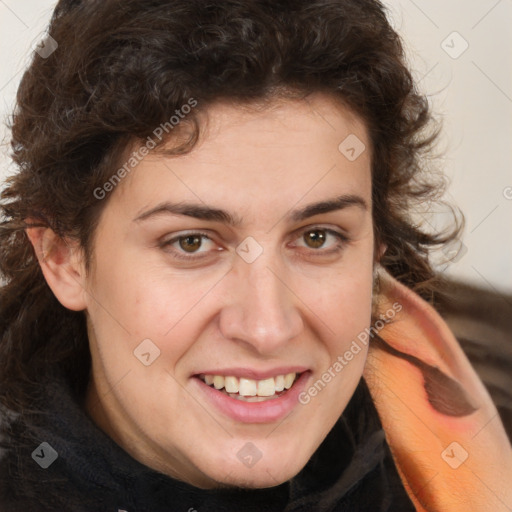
(242,262)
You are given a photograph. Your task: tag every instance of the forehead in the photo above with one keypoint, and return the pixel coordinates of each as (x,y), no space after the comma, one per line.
(287,152)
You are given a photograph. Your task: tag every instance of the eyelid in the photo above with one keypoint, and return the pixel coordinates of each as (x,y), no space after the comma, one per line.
(342,237)
(324,227)
(183,234)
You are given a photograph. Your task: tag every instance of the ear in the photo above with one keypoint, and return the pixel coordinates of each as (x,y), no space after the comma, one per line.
(62,266)
(435,411)
(380,251)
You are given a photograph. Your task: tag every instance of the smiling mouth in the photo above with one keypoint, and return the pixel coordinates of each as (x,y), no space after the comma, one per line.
(250,390)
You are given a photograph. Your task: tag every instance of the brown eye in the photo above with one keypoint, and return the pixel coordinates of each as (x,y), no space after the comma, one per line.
(190,246)
(190,243)
(315,238)
(321,242)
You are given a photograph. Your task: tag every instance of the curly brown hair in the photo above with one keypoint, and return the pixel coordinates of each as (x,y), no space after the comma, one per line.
(122,69)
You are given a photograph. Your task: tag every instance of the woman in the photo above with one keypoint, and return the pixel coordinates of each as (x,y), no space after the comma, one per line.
(216,298)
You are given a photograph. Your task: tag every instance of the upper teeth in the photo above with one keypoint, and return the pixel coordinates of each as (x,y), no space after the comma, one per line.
(250,387)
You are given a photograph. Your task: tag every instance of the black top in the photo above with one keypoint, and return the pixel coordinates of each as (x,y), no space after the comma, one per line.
(352,470)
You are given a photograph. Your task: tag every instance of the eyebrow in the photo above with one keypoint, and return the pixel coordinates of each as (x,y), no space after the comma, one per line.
(207,213)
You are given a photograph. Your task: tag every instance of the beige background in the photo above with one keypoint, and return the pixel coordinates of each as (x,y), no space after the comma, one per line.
(471,90)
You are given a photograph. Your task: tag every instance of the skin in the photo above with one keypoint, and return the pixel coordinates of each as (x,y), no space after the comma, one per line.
(294,305)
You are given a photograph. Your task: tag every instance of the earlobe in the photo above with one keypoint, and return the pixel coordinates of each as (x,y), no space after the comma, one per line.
(382,250)
(379,252)
(61,264)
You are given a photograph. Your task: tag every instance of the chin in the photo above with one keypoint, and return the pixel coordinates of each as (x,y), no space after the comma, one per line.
(257,478)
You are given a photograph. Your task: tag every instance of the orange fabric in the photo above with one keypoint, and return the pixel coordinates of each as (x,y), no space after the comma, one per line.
(448,461)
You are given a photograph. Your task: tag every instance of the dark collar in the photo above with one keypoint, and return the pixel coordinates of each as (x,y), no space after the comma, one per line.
(93,473)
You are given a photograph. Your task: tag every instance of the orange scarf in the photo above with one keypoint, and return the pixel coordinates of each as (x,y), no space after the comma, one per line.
(444,431)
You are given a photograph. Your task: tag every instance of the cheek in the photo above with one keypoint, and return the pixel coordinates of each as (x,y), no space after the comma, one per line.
(345,304)
(164,305)
(145,297)
(345,310)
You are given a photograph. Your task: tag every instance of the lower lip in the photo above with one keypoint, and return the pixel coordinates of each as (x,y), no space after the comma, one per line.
(255,412)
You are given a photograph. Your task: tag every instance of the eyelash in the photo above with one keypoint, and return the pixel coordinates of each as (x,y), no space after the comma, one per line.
(343,239)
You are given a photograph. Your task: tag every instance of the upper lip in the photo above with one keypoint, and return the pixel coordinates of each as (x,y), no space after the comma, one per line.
(250,373)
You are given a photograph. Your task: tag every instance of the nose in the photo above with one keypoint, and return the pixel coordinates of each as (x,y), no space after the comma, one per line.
(262,311)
